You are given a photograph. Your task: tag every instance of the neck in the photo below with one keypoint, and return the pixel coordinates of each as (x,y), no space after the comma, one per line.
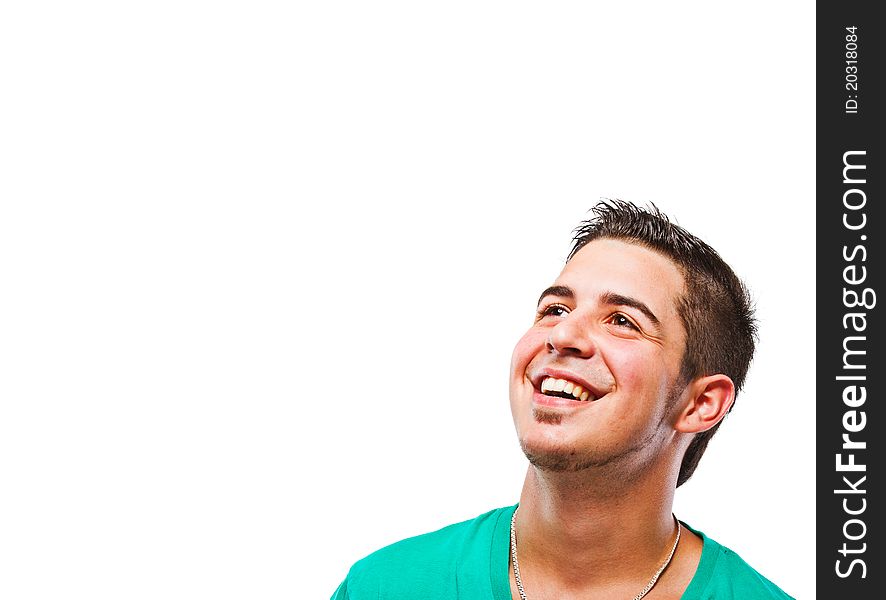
(568,521)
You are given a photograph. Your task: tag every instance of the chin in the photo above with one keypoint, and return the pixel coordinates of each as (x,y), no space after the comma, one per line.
(549,455)
(547,416)
(556,462)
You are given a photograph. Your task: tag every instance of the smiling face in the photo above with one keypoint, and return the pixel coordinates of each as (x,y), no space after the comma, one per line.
(595,380)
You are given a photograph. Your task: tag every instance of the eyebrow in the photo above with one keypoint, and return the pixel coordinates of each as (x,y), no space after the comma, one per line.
(557,290)
(611,298)
(620,300)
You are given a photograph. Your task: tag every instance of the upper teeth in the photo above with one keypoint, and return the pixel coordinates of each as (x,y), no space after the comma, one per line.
(552,384)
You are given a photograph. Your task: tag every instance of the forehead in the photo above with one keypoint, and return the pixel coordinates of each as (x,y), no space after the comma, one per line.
(608,265)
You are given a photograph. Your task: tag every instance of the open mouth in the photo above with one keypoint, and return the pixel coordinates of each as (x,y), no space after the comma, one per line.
(563,388)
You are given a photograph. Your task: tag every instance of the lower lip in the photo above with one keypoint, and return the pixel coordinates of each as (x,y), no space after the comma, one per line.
(557,402)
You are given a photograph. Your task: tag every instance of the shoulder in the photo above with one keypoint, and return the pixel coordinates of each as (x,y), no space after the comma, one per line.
(425,562)
(722,573)
(441,546)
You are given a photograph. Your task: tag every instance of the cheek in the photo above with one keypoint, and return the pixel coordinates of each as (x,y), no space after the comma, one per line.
(526,349)
(637,371)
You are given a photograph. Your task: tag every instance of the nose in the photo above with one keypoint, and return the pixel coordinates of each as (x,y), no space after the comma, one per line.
(569,338)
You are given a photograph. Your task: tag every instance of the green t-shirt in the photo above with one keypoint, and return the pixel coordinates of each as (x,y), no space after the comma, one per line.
(469,561)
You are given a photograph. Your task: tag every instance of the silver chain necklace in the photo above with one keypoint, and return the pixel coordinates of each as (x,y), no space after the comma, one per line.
(642,593)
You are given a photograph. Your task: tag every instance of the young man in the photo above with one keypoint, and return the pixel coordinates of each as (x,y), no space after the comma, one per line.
(636,354)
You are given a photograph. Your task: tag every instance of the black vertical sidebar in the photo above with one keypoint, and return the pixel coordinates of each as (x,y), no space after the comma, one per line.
(850,370)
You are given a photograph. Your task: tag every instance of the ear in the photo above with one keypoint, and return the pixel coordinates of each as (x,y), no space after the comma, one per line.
(709,399)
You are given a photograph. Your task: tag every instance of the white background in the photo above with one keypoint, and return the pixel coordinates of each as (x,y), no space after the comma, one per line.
(263,266)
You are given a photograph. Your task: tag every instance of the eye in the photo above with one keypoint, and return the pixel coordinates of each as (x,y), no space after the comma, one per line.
(552,310)
(621,320)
